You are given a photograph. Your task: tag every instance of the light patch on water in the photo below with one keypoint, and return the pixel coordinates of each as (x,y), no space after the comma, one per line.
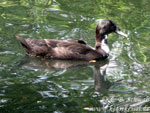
(8,24)
(121,88)
(47,94)
(7,53)
(50,28)
(30,68)
(52,9)
(3,100)
(64,15)
(59,72)
(113,68)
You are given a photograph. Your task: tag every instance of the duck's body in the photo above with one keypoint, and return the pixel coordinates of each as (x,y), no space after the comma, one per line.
(61,49)
(71,49)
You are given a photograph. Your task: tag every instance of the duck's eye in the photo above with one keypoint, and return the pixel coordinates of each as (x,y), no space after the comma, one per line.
(113,28)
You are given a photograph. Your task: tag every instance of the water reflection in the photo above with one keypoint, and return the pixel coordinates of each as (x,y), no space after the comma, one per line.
(98,68)
(100,81)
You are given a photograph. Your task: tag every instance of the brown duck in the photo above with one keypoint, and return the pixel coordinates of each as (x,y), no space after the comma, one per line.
(73,49)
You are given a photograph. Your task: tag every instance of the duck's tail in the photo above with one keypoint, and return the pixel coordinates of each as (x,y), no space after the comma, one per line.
(24,44)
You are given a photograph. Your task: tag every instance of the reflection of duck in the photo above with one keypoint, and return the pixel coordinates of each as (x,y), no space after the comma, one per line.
(73,49)
(99,68)
(100,82)
(50,65)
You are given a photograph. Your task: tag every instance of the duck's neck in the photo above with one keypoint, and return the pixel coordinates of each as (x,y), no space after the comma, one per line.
(101,43)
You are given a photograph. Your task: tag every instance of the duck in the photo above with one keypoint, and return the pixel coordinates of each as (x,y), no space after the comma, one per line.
(73,49)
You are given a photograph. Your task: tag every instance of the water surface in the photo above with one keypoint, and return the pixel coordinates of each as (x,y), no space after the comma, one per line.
(34,85)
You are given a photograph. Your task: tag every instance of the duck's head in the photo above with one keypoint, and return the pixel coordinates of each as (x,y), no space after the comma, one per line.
(106,26)
(103,28)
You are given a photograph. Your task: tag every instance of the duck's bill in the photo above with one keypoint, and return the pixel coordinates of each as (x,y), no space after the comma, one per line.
(121,33)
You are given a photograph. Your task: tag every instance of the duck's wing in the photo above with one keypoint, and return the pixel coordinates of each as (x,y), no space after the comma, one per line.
(67,49)
(77,50)
(51,48)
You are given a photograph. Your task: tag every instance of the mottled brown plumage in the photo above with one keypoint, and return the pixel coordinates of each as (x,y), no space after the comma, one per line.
(71,49)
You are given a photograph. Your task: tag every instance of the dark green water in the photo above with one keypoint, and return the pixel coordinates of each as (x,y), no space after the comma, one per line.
(33,85)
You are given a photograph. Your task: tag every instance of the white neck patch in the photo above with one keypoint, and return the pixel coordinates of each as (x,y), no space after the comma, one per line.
(104,46)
